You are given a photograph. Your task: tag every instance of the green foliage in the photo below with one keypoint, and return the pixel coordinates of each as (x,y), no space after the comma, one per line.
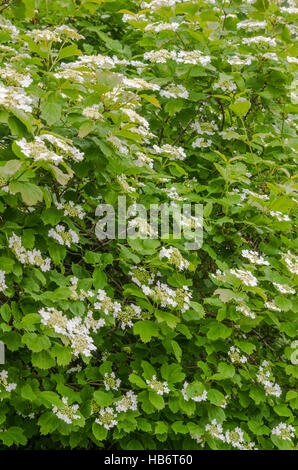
(141,343)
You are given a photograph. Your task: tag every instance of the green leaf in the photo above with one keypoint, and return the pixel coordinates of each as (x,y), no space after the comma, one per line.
(240,106)
(31,194)
(146,329)
(156,400)
(50,112)
(36,342)
(99,431)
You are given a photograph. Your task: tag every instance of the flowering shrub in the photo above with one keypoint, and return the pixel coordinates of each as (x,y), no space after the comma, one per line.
(139,343)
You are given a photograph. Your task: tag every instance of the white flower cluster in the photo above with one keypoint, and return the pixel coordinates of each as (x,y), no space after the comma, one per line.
(128,402)
(173,153)
(110,381)
(254,257)
(141,226)
(271,305)
(71,209)
(225,84)
(174,91)
(75,332)
(280,216)
(13,97)
(134,117)
(271,42)
(251,25)
(11,75)
(66,413)
(174,257)
(215,430)
(185,57)
(8,386)
(127,314)
(197,398)
(159,387)
(39,151)
(237,60)
(179,298)
(284,431)
(245,276)
(284,288)
(92,112)
(105,303)
(245,310)
(107,418)
(119,145)
(207,128)
(235,356)
(32,257)
(143,160)
(3,286)
(62,236)
(157,27)
(7,26)
(263,376)
(142,278)
(235,438)
(47,35)
(82,295)
(291,262)
(139,84)
(200,142)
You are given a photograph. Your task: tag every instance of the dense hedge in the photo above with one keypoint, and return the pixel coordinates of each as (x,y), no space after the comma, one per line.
(140,343)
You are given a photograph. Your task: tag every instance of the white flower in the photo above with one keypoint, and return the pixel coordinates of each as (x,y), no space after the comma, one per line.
(271,305)
(291,262)
(280,216)
(215,430)
(193,57)
(200,142)
(8,386)
(71,209)
(92,112)
(245,310)
(44,35)
(32,257)
(251,25)
(254,257)
(292,60)
(157,27)
(174,91)
(284,431)
(174,257)
(159,387)
(202,397)
(173,153)
(284,288)
(260,40)
(160,57)
(128,402)
(234,354)
(66,413)
(3,286)
(110,381)
(12,97)
(62,236)
(107,418)
(236,60)
(245,276)
(235,437)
